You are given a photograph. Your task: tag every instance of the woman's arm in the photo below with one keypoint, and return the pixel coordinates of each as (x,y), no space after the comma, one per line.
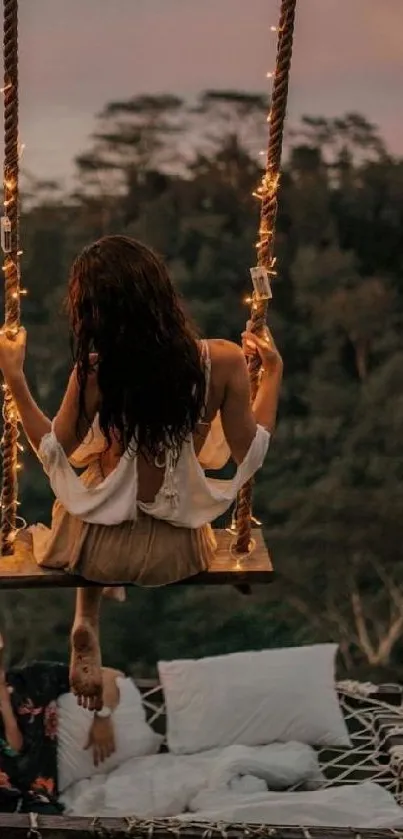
(35,424)
(239,417)
(111,694)
(238,421)
(101,738)
(266,402)
(12,733)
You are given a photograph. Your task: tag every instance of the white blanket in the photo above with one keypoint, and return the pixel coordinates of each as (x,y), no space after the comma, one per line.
(233,785)
(166,784)
(360,806)
(276,767)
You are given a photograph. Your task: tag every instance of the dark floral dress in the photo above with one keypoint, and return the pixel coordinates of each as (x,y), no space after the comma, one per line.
(28,779)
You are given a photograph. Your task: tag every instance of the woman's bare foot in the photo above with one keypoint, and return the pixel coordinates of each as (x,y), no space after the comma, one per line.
(86,666)
(117,593)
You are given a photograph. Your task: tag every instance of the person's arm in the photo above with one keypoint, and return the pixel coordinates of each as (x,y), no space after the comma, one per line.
(240,418)
(35,424)
(101,738)
(238,421)
(12,733)
(266,402)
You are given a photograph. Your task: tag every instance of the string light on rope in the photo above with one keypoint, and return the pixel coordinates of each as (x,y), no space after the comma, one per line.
(9,412)
(267,194)
(260,276)
(10,231)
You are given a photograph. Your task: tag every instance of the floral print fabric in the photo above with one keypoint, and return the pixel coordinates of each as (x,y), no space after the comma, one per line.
(28,779)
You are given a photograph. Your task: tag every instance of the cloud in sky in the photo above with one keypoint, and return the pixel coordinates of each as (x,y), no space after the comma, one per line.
(78,54)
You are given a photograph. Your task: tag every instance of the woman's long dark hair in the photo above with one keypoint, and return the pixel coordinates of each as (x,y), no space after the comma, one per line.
(123,307)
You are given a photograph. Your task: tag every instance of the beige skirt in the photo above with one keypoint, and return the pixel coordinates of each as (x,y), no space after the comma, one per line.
(147,552)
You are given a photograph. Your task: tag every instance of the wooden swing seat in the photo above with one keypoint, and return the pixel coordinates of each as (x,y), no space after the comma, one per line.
(21,571)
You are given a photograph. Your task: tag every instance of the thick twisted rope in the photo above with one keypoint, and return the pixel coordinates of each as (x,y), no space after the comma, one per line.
(268,193)
(11,267)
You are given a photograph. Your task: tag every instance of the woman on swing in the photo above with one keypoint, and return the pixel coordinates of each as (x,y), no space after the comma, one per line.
(147,409)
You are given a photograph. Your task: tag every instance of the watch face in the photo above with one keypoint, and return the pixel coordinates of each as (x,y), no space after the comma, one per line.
(104,713)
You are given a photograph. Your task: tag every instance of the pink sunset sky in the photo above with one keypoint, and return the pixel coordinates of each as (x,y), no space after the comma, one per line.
(78,54)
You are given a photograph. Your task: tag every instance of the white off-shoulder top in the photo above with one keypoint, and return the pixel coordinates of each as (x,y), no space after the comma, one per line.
(187,496)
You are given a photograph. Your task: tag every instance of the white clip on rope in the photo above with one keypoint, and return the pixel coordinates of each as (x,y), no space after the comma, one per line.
(261,283)
(5,231)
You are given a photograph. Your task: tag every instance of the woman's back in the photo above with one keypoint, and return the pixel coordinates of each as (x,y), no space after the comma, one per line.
(217,358)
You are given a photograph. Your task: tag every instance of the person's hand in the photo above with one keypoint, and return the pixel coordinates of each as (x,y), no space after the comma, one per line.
(12,352)
(263,346)
(101,739)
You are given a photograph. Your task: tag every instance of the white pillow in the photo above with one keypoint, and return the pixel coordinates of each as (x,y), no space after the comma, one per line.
(133,736)
(253,698)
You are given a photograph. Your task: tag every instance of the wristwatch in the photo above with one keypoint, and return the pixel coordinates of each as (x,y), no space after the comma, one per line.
(104,713)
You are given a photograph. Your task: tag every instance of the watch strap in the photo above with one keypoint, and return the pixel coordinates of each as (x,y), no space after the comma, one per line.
(104,713)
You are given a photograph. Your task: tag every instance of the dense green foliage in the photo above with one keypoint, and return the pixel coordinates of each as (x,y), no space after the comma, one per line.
(330,495)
